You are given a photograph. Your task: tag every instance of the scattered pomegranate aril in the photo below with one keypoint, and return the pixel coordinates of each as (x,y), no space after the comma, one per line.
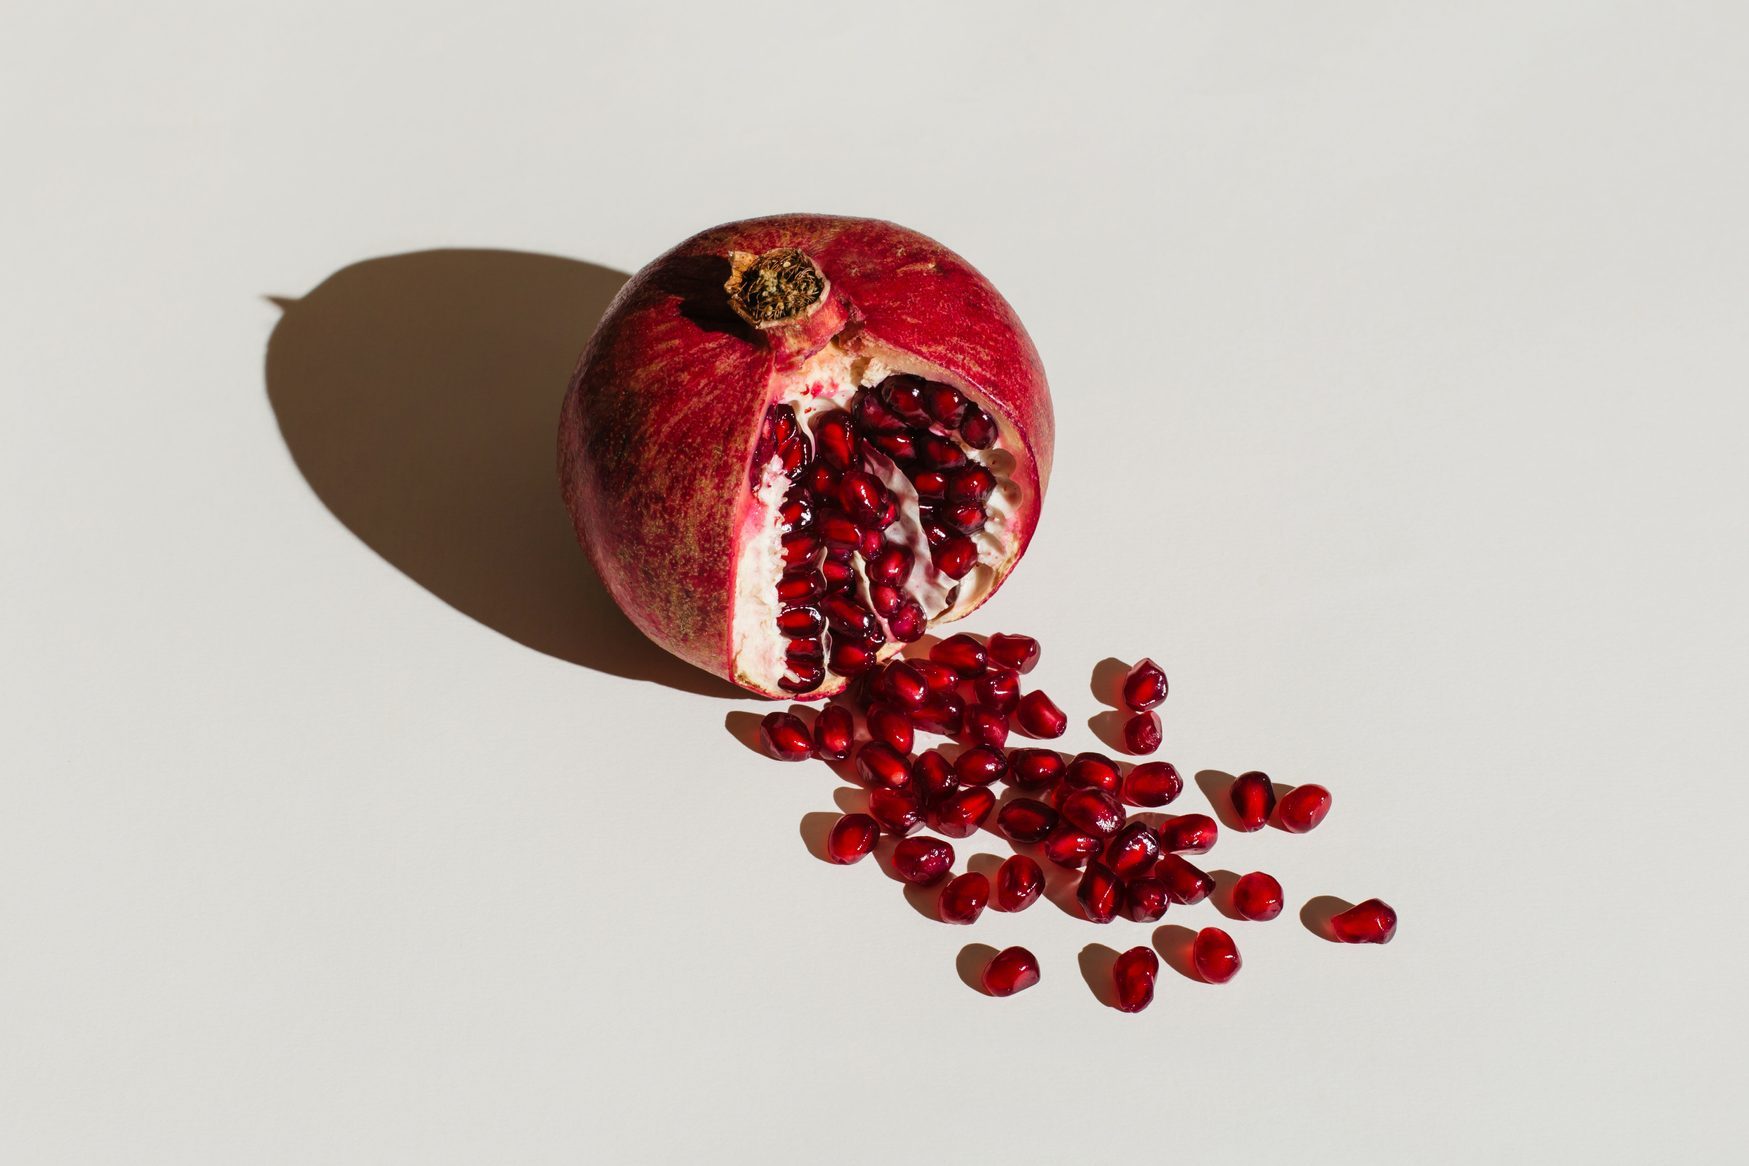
(939,679)
(961,653)
(998,689)
(1253,798)
(1024,820)
(1017,652)
(891,726)
(1374,921)
(852,838)
(959,814)
(1033,768)
(834,733)
(1189,834)
(898,811)
(1141,733)
(1093,811)
(1144,900)
(1257,897)
(1038,716)
(943,715)
(980,765)
(1185,884)
(1011,970)
(1067,846)
(1100,893)
(783,736)
(963,899)
(1133,851)
(1214,955)
(852,657)
(1152,783)
(985,726)
(1302,808)
(881,766)
(1093,771)
(1144,687)
(933,776)
(922,861)
(1019,883)
(1133,975)
(904,685)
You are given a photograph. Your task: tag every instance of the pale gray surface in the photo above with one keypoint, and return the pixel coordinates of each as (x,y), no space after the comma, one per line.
(1399,353)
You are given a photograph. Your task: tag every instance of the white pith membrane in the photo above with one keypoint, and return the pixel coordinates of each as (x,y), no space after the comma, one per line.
(829,380)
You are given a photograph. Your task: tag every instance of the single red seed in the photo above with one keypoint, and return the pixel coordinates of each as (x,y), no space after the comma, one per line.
(1185,884)
(852,657)
(1302,808)
(802,677)
(836,439)
(873,415)
(839,573)
(1025,820)
(1133,851)
(903,394)
(800,585)
(885,598)
(890,724)
(901,447)
(897,810)
(1144,900)
(963,899)
(1100,893)
(1019,883)
(998,689)
(872,541)
(848,616)
(933,775)
(904,685)
(1374,921)
(961,653)
(938,678)
(882,766)
(797,513)
(800,623)
(1093,771)
(1134,974)
(892,565)
(852,837)
(1039,716)
(1032,768)
(834,733)
(908,623)
(961,813)
(1257,897)
(1067,846)
(1093,811)
(1189,834)
(1145,686)
(783,736)
(985,726)
(965,517)
(1011,970)
(838,530)
(970,486)
(980,765)
(1017,652)
(923,861)
(800,549)
(940,453)
(821,480)
(977,429)
(1214,955)
(1141,733)
(931,485)
(1253,800)
(956,556)
(804,651)
(863,498)
(944,404)
(1152,783)
(943,715)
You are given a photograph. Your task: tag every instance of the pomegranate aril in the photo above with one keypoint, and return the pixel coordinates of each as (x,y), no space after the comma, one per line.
(935,531)
(956,556)
(1190,834)
(944,404)
(1144,900)
(862,497)
(977,429)
(1039,716)
(1302,808)
(837,441)
(998,690)
(1257,897)
(873,416)
(1145,686)
(834,733)
(940,453)
(1099,894)
(963,654)
(1133,976)
(1011,970)
(933,775)
(897,810)
(905,685)
(922,861)
(965,517)
(1025,820)
(980,765)
(908,623)
(959,814)
(885,598)
(795,514)
(903,394)
(783,736)
(1374,921)
(1093,811)
(985,726)
(838,529)
(852,656)
(1253,798)
(939,678)
(1152,783)
(800,549)
(1093,771)
(942,715)
(840,576)
(1067,846)
(1033,768)
(1214,955)
(1133,851)
(846,615)
(821,481)
(852,837)
(1019,883)
(931,485)
(1017,652)
(1185,884)
(891,565)
(800,678)
(801,622)
(888,724)
(800,585)
(970,486)
(781,426)
(1141,733)
(901,447)
(882,766)
(963,899)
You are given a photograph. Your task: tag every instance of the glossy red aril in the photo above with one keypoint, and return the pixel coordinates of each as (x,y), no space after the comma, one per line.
(1133,851)
(984,726)
(1144,900)
(852,837)
(1302,808)
(1373,921)
(961,653)
(1100,893)
(1033,768)
(904,685)
(963,899)
(1067,846)
(922,861)
(1257,897)
(942,714)
(783,736)
(1019,883)
(998,689)
(1093,771)
(939,679)
(1017,652)
(1038,716)
(1214,955)
(933,776)
(980,765)
(959,814)
(1253,798)
(1185,884)
(1141,733)
(1025,820)
(1011,970)
(1152,783)
(1144,687)
(834,733)
(882,766)
(1133,976)
(1093,811)
(1189,834)
(888,724)
(898,811)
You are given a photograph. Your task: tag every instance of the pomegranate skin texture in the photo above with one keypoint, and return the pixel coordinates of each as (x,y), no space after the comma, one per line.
(726,367)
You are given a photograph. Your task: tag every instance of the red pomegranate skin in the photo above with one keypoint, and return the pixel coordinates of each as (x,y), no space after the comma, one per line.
(658,428)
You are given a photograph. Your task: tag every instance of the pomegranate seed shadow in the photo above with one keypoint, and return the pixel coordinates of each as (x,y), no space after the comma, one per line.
(970,965)
(1097,962)
(1217,786)
(1319,911)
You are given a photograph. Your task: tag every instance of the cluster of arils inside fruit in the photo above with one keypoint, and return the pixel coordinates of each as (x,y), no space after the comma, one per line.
(837,513)
(1087,815)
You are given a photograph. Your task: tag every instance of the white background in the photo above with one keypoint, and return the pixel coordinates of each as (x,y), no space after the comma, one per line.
(1398,353)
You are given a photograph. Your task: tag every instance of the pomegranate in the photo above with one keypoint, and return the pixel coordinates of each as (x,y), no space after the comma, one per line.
(1257,896)
(1302,808)
(1011,970)
(1374,921)
(853,836)
(1019,883)
(1214,955)
(963,899)
(804,411)
(1133,976)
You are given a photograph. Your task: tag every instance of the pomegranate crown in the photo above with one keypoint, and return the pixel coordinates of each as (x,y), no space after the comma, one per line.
(776,288)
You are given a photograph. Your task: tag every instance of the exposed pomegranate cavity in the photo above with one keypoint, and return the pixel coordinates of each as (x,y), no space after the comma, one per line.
(1019,883)
(783,736)
(1133,975)
(1039,716)
(1258,897)
(1145,686)
(1302,808)
(1253,797)
(1152,783)
(782,413)
(1011,970)
(852,837)
(963,899)
(1373,921)
(1214,955)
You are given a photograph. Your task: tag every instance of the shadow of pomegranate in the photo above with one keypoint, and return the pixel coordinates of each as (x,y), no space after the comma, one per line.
(1097,961)
(1222,895)
(1173,942)
(1217,787)
(419,396)
(1107,684)
(970,965)
(816,829)
(1318,912)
